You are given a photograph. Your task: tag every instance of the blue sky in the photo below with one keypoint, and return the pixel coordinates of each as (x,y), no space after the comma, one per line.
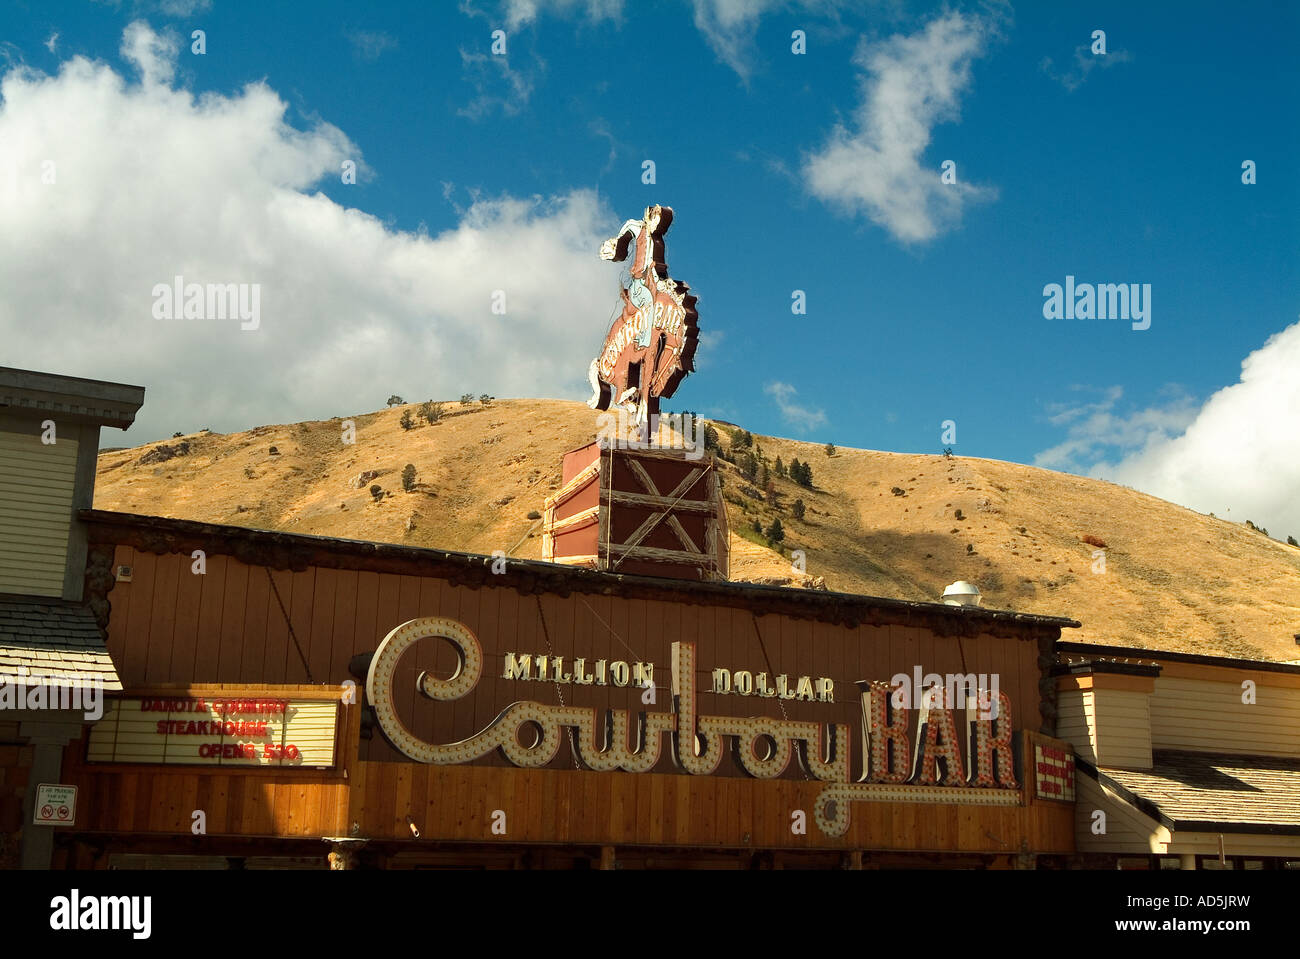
(817,172)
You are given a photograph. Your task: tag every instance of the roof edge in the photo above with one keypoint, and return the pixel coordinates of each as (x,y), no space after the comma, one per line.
(282,550)
(1200,659)
(98,402)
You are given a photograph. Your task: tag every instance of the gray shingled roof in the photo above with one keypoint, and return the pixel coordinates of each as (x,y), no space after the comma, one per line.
(53,639)
(1216,792)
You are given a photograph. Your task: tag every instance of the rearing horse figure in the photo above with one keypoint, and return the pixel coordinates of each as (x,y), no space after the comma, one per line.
(650,347)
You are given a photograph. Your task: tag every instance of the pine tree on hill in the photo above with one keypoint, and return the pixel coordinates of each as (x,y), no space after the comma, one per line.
(801,473)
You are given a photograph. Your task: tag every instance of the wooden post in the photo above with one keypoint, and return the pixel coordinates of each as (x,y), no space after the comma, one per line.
(606,857)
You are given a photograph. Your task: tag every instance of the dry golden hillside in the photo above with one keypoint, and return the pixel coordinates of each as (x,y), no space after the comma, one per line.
(1174,579)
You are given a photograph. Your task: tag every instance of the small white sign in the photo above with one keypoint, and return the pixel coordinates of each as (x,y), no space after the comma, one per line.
(55,805)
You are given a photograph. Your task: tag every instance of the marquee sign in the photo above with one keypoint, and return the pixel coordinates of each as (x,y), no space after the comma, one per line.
(934,768)
(218,731)
(1053,773)
(650,347)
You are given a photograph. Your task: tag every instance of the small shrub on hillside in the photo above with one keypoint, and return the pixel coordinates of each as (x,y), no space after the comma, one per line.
(162,453)
(798,509)
(377,492)
(486,400)
(1096,541)
(431,411)
(408,477)
(1290,541)
(774,532)
(780,468)
(748,466)
(466,399)
(396,400)
(830,449)
(958,514)
(758,526)
(533,514)
(407,422)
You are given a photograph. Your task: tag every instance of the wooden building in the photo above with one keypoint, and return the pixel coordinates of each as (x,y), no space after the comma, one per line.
(278,700)
(553,725)
(1185,761)
(52,651)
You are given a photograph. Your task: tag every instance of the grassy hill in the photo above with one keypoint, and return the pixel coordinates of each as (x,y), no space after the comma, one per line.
(883,524)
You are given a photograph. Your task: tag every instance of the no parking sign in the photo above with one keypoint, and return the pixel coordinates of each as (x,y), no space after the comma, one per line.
(55,805)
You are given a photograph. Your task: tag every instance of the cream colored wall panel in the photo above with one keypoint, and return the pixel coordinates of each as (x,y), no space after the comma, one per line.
(1235,844)
(1123,724)
(1206,716)
(1074,723)
(36,488)
(1127,756)
(1126,829)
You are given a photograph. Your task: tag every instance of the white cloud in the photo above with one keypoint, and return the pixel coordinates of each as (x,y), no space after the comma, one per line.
(370,44)
(708,346)
(1236,452)
(153,182)
(1096,428)
(183,8)
(801,416)
(1085,61)
(487,72)
(498,85)
(729,26)
(910,83)
(523,12)
(152,54)
(52,42)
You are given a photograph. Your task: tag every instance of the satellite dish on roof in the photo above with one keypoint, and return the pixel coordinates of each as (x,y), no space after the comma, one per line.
(962,593)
